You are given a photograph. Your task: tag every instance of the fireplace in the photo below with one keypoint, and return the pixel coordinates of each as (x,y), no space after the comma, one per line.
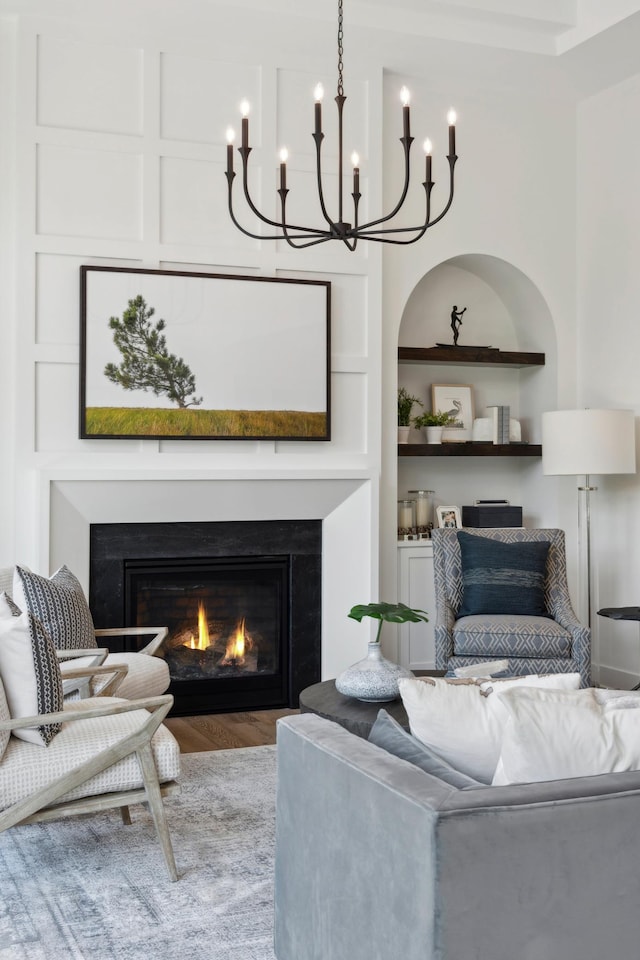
(241,602)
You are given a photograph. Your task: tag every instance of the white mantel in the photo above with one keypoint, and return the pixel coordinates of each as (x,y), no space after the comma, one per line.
(72,500)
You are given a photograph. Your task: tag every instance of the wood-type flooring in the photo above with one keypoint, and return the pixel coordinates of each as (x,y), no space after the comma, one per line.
(223,731)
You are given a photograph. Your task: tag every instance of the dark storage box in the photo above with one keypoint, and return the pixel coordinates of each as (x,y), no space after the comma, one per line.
(492,516)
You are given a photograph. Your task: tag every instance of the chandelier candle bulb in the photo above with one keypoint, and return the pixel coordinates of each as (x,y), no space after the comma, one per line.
(230,138)
(284,156)
(428,147)
(318,94)
(451,119)
(244,110)
(355,160)
(405,97)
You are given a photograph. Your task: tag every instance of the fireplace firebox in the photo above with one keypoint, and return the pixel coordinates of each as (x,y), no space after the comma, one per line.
(242,607)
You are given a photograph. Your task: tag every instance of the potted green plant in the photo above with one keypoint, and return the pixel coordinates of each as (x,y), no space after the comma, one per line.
(375,679)
(433,424)
(406,403)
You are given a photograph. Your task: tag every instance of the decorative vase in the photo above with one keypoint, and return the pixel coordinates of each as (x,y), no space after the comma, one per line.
(434,434)
(374,679)
(403,434)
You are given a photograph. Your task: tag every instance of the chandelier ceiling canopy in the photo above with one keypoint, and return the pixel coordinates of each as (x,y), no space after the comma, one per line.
(335,227)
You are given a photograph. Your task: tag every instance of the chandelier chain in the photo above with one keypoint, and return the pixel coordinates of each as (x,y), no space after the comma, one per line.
(340,50)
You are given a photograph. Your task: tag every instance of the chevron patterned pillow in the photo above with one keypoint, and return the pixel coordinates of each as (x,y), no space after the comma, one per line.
(502,577)
(59,604)
(29,671)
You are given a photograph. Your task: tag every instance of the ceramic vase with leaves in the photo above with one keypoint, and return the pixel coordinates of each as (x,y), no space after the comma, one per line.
(374,679)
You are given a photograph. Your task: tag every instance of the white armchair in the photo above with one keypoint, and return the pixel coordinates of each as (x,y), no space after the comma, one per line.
(109,753)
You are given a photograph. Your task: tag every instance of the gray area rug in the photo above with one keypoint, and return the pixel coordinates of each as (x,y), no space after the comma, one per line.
(90,887)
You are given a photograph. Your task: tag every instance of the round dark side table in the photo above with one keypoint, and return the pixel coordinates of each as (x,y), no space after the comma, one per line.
(621,613)
(355,715)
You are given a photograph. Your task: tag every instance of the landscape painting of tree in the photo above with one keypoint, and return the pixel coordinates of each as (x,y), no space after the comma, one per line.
(175,355)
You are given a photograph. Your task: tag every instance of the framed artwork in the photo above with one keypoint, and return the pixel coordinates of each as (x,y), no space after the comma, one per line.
(456,399)
(176,355)
(449,517)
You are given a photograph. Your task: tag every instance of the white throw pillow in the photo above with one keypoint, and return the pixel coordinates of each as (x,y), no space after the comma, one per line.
(4,715)
(29,671)
(553,734)
(462,720)
(59,604)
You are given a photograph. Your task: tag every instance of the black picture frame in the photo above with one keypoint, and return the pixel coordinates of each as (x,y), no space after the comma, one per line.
(244,357)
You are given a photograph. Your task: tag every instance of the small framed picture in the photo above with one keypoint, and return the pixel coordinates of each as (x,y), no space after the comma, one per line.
(456,399)
(449,517)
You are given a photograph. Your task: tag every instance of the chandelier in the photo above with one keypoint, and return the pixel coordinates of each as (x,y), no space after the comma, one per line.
(339,229)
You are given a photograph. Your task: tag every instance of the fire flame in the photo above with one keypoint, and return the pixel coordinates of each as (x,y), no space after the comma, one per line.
(236,643)
(203,630)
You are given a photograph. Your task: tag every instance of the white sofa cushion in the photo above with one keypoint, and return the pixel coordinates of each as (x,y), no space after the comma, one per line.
(463,720)
(553,734)
(26,769)
(59,604)
(146,677)
(29,670)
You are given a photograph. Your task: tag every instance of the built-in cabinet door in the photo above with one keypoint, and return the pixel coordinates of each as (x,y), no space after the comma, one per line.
(416,645)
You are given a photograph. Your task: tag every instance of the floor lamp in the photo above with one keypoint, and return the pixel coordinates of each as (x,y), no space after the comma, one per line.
(586,442)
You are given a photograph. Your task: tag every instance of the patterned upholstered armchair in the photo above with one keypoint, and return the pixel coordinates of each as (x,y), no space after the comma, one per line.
(555,643)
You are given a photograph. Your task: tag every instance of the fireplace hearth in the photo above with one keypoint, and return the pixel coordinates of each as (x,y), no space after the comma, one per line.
(241,602)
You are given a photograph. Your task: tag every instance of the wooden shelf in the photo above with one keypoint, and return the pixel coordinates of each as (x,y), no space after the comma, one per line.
(471,355)
(469,449)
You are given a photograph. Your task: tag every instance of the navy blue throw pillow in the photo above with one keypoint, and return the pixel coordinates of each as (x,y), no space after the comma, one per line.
(502,577)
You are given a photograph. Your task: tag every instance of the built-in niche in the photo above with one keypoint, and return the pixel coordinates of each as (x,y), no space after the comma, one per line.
(505,310)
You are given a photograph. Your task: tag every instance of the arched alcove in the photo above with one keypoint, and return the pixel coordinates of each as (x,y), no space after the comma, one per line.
(505,310)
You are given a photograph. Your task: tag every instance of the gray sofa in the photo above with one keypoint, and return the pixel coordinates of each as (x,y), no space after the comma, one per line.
(377,860)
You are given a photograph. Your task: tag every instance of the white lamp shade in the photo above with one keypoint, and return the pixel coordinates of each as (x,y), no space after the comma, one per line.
(588,441)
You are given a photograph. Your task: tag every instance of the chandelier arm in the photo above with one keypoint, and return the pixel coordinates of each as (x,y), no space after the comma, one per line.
(356,200)
(321,236)
(244,152)
(319,137)
(452,162)
(380,235)
(311,243)
(277,236)
(406,143)
(370,235)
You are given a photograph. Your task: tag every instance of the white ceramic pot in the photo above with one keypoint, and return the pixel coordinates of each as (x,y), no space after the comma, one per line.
(403,434)
(434,434)
(374,679)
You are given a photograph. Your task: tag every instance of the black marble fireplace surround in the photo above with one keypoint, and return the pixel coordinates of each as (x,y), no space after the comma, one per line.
(116,548)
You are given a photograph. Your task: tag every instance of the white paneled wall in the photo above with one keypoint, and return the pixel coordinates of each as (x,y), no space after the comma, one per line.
(128,155)
(120,161)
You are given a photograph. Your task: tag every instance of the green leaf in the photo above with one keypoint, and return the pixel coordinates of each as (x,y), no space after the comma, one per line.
(389,612)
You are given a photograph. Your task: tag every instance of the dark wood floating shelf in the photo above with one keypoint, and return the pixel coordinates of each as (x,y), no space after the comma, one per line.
(483,355)
(469,449)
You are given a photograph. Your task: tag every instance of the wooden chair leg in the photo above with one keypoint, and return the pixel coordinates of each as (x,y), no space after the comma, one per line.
(126,816)
(154,796)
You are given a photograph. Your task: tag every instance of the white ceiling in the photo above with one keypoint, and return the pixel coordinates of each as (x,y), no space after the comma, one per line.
(536,26)
(547,27)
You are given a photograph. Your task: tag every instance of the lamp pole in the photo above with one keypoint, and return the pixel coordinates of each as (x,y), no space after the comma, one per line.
(587,489)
